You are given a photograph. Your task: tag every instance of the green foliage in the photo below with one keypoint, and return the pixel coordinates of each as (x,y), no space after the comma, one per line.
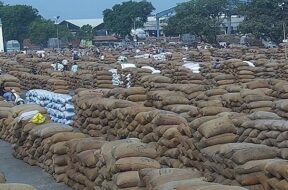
(264,18)
(198,17)
(16,20)
(85,33)
(41,30)
(120,19)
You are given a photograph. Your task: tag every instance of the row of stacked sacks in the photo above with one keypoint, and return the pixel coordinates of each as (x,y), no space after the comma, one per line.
(10,130)
(30,81)
(171,101)
(133,94)
(227,53)
(86,79)
(70,77)
(58,86)
(265,128)
(10,82)
(155,82)
(243,71)
(200,56)
(118,119)
(104,79)
(59,106)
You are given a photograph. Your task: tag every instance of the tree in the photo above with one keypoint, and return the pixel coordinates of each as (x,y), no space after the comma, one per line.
(85,33)
(40,31)
(122,17)
(264,18)
(16,20)
(198,17)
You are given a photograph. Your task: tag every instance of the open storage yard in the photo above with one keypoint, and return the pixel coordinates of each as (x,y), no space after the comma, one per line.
(211,129)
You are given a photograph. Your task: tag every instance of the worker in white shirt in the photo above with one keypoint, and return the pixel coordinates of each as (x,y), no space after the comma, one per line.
(74,68)
(65,65)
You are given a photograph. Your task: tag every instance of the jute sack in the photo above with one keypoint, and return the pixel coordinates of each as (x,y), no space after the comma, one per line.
(217,127)
(134,150)
(66,136)
(134,91)
(137,98)
(208,111)
(219,139)
(15,186)
(278,169)
(127,179)
(135,164)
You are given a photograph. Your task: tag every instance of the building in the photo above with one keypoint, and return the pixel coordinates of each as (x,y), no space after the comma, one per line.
(235,22)
(105,40)
(74,25)
(150,27)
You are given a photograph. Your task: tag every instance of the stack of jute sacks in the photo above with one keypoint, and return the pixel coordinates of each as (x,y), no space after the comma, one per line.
(10,82)
(104,79)
(265,128)
(162,130)
(222,160)
(200,55)
(58,86)
(10,129)
(85,79)
(171,101)
(210,102)
(118,119)
(93,116)
(121,161)
(83,156)
(256,100)
(68,76)
(180,179)
(139,74)
(155,82)
(280,89)
(209,131)
(29,81)
(133,94)
(191,91)
(228,53)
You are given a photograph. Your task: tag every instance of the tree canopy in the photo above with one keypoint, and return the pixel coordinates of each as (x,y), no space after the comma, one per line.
(120,19)
(198,17)
(264,18)
(16,20)
(86,32)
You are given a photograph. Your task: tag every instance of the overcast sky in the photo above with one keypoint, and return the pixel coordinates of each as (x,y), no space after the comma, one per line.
(74,9)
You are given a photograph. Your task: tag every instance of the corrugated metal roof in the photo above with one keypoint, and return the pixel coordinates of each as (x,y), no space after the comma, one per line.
(81,22)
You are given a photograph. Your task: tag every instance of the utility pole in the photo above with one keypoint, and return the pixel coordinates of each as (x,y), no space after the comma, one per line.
(57,28)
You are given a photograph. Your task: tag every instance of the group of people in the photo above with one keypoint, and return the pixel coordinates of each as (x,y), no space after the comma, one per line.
(65,66)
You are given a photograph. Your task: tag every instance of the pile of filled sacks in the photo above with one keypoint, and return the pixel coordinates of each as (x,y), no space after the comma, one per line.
(10,82)
(134,94)
(59,107)
(58,86)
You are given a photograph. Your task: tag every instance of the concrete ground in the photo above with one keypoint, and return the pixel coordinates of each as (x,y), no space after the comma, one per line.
(17,171)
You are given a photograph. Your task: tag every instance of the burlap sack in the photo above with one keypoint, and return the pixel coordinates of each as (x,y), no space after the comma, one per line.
(135,164)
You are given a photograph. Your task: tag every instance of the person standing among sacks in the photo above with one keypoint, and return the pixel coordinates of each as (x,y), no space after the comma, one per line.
(74,68)
(65,65)
(217,64)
